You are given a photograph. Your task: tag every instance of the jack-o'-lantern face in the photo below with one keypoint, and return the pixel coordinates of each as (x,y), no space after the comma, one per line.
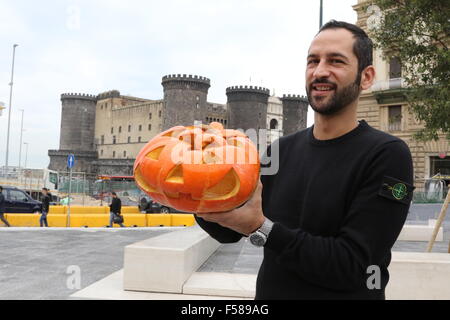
(198,168)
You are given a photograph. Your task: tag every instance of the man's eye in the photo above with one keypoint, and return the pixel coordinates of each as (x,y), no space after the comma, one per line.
(337,61)
(312,61)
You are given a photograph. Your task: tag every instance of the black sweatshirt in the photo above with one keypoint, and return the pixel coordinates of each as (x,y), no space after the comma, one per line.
(338,207)
(116,205)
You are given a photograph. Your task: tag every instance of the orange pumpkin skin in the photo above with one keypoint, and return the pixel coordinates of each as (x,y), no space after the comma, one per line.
(198,168)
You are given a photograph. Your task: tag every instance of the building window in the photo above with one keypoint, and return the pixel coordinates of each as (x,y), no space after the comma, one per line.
(120,129)
(101,152)
(129,139)
(149,127)
(140,127)
(114,154)
(440,165)
(159,113)
(114,139)
(139,139)
(273,124)
(102,139)
(197,98)
(129,128)
(124,154)
(394,118)
(196,105)
(112,129)
(150,116)
(395,73)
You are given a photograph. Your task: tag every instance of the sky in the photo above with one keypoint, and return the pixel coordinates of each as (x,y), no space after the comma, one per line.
(99,45)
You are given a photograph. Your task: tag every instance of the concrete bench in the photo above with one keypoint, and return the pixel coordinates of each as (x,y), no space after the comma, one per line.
(164,263)
(412,232)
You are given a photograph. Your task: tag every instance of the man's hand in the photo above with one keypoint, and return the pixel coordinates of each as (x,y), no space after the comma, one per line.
(245,219)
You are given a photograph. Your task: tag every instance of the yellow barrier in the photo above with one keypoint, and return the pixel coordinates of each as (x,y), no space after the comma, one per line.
(58,210)
(133,219)
(182,220)
(23,219)
(89,220)
(159,220)
(89,210)
(130,209)
(57,220)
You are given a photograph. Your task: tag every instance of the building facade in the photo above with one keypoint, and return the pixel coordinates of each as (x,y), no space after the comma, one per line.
(384,107)
(106,132)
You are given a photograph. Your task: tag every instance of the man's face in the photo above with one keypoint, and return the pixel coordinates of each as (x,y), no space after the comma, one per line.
(332,80)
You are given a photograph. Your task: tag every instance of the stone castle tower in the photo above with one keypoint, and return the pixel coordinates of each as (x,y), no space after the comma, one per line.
(185,99)
(77,132)
(295,109)
(247,107)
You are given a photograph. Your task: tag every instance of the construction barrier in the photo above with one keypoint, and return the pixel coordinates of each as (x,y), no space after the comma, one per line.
(182,220)
(130,209)
(58,210)
(101,220)
(88,210)
(159,220)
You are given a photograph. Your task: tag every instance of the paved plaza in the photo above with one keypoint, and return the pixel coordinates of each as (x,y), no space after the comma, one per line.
(37,263)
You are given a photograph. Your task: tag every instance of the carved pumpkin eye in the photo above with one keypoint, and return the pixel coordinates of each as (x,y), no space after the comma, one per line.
(218,170)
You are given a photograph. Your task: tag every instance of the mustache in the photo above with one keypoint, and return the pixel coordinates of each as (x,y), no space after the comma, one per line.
(319,81)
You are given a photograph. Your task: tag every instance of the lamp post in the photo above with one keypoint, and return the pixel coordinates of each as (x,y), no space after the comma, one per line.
(20,144)
(10,104)
(26,154)
(321,14)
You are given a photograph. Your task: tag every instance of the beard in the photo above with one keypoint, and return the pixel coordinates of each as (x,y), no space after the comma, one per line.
(338,101)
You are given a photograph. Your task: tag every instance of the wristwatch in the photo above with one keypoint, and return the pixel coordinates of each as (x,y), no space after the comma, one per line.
(259,237)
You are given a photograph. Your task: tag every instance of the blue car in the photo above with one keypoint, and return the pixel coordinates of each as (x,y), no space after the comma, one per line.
(18,201)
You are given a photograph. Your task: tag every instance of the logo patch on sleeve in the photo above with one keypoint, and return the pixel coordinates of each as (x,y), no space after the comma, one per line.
(396,190)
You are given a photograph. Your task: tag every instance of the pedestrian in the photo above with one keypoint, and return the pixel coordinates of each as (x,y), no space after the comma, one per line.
(329,216)
(115,210)
(2,208)
(45,207)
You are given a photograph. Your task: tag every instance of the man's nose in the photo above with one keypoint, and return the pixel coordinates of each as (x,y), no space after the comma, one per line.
(321,71)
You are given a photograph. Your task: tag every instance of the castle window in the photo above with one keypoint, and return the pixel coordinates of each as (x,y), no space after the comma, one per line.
(124,154)
(197,97)
(273,124)
(101,152)
(197,105)
(114,154)
(139,139)
(140,127)
(120,129)
(114,139)
(129,139)
(129,128)
(394,118)
(149,127)
(112,129)
(159,113)
(150,116)
(102,139)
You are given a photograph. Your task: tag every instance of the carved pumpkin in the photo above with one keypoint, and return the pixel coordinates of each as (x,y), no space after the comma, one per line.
(198,168)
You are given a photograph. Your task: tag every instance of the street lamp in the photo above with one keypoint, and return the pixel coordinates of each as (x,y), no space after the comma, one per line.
(26,154)
(20,144)
(10,104)
(320,14)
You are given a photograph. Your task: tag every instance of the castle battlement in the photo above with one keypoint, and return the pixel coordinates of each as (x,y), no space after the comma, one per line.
(108,94)
(294,97)
(79,96)
(184,77)
(249,89)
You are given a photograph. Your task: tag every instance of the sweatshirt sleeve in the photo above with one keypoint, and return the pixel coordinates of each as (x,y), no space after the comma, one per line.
(216,231)
(370,229)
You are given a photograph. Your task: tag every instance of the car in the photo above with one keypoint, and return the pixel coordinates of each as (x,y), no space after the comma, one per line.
(18,201)
(148,205)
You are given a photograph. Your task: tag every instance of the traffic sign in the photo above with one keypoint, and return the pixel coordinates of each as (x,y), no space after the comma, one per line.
(70,161)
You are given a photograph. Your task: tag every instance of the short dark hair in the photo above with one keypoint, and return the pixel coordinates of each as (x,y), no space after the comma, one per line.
(113,193)
(363,46)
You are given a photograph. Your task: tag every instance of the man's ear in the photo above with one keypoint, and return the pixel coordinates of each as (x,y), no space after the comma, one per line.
(367,77)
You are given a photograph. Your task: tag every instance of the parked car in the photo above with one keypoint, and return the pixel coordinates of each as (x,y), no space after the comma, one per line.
(18,201)
(148,205)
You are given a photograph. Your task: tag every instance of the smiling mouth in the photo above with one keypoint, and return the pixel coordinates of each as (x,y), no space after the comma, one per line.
(322,87)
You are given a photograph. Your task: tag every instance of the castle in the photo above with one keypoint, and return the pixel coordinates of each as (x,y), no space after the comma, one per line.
(105,132)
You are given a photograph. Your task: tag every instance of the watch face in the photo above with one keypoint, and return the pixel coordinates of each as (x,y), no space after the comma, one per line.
(257,239)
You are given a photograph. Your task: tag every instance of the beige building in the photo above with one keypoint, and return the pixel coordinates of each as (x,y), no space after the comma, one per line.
(123,125)
(384,107)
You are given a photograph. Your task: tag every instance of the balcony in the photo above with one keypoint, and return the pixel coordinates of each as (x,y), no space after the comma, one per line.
(389,91)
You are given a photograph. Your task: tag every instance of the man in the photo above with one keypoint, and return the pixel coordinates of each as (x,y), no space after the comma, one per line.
(115,209)
(331,214)
(2,208)
(45,207)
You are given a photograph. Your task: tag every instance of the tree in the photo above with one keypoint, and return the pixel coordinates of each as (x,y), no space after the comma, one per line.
(418,33)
